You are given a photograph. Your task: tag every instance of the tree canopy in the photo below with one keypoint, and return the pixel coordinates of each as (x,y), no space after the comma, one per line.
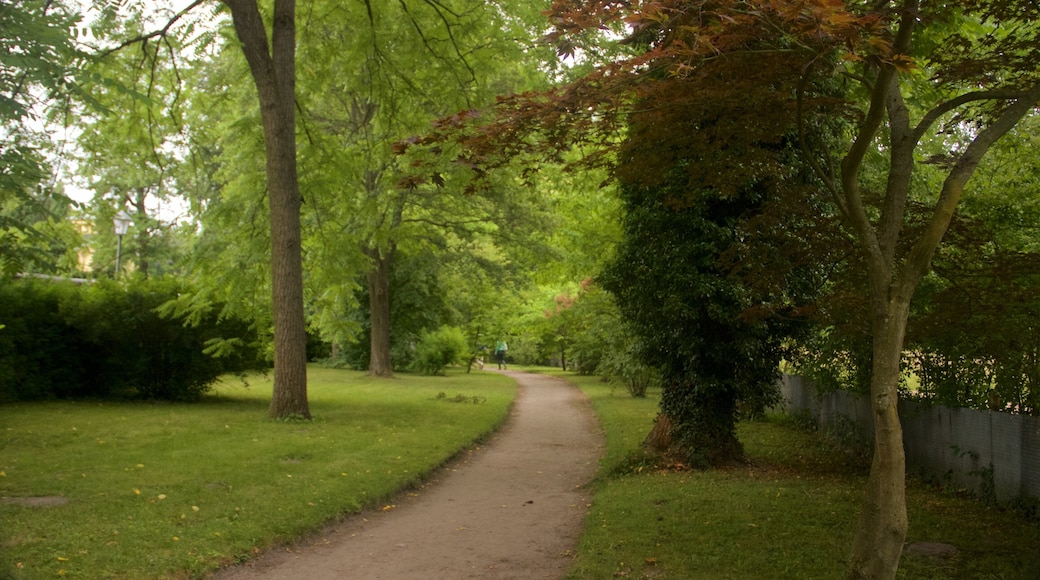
(41,69)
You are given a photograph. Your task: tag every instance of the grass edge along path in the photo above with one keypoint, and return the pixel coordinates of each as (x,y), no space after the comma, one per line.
(178,490)
(790,513)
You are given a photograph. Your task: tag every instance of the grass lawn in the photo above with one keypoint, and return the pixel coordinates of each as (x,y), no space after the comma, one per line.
(789,514)
(174,490)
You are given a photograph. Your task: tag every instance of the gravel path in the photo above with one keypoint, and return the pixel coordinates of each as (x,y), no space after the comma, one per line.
(509,509)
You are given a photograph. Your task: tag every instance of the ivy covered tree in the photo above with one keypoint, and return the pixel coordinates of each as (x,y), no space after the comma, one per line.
(695,319)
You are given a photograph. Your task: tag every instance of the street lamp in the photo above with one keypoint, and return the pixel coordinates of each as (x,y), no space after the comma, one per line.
(122,223)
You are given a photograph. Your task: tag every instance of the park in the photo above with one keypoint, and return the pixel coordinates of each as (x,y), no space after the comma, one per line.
(269,271)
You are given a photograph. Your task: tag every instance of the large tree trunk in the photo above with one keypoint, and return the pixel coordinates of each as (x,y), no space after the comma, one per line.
(697,425)
(379,313)
(274,73)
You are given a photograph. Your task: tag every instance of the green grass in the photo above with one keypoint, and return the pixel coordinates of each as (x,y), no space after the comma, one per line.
(174,490)
(789,514)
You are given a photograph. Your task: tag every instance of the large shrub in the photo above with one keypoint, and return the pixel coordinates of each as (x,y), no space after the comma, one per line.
(62,340)
(40,355)
(439,349)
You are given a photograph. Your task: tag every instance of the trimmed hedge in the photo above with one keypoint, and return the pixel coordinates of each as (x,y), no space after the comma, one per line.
(62,340)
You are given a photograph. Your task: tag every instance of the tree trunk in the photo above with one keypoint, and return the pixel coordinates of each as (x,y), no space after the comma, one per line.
(379,364)
(660,437)
(143,233)
(697,424)
(878,542)
(274,73)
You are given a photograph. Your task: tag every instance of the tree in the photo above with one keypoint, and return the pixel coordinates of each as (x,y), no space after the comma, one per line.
(697,321)
(273,66)
(39,61)
(355,109)
(129,147)
(896,71)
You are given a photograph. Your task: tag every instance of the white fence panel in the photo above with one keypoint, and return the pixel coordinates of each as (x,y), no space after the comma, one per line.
(992,454)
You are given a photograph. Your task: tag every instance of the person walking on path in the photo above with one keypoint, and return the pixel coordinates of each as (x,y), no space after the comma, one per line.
(510,509)
(500,354)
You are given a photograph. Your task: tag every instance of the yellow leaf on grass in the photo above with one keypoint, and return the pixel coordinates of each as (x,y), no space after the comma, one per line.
(137,491)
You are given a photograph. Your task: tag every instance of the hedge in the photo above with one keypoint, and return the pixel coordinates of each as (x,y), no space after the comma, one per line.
(63,340)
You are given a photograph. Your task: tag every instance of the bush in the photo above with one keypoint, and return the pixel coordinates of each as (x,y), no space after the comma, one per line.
(40,356)
(439,349)
(63,340)
(622,359)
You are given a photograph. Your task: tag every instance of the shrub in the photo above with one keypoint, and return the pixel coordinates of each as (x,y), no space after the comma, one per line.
(62,340)
(40,356)
(439,349)
(622,360)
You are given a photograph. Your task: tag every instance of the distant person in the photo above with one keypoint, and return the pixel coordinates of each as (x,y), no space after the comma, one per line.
(500,353)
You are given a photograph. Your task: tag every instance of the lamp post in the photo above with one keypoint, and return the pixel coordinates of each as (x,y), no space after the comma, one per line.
(122,223)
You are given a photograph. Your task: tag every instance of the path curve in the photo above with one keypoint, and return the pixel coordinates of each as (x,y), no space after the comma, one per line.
(509,509)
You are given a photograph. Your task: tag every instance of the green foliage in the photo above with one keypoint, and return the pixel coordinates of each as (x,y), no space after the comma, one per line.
(973,340)
(440,349)
(624,360)
(972,333)
(606,345)
(38,60)
(62,340)
(694,320)
(419,301)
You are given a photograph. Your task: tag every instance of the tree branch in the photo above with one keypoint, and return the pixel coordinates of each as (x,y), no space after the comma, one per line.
(921,253)
(161,33)
(933,115)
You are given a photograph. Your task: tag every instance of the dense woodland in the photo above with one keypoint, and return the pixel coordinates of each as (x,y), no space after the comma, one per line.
(691,194)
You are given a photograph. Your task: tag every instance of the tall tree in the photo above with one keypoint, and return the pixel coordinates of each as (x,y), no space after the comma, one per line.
(411,62)
(273,67)
(905,71)
(39,62)
(718,348)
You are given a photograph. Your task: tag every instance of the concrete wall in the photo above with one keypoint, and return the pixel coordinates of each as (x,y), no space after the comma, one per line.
(992,454)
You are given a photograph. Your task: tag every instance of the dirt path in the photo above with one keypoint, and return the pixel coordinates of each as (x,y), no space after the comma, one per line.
(510,509)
